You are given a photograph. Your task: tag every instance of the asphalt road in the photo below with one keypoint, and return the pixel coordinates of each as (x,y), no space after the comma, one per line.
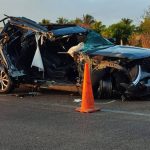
(49,122)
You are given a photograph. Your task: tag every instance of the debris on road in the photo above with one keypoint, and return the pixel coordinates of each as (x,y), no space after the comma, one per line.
(77,100)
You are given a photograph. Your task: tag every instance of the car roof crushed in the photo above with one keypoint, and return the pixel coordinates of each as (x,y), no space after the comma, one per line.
(55,31)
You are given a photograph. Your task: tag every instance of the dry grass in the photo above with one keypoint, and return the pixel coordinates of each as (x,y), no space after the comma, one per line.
(145,40)
(142,40)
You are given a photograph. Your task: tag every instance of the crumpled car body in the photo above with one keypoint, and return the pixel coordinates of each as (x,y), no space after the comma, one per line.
(53,57)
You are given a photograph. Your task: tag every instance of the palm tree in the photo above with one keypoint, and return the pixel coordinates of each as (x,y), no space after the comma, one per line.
(88,19)
(45,22)
(122,30)
(98,26)
(78,21)
(126,21)
(62,20)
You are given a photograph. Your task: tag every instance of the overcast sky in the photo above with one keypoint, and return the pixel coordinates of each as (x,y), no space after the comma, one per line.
(107,11)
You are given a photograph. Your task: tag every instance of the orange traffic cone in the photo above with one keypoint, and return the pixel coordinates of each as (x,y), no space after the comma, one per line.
(87,105)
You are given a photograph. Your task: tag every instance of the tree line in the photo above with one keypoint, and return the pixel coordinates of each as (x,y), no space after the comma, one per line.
(124,31)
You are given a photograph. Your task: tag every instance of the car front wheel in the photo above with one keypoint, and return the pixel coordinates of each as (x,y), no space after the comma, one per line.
(6,84)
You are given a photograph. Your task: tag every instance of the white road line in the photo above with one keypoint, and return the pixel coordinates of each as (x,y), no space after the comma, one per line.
(102,110)
(60,105)
(125,112)
(106,102)
(109,110)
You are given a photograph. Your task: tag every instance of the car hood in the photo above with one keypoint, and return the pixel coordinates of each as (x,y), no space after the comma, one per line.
(128,52)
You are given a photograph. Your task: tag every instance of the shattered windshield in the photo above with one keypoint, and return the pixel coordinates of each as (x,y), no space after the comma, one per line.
(94,41)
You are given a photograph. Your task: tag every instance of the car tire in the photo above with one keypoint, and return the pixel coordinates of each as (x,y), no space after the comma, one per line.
(105,89)
(6,84)
(100,82)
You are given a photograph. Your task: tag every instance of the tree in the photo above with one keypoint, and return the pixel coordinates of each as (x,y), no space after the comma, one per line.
(45,22)
(145,29)
(145,24)
(126,21)
(62,20)
(147,13)
(98,26)
(122,30)
(87,20)
(107,32)
(78,21)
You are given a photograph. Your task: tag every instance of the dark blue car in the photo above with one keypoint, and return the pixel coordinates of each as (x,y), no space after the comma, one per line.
(53,57)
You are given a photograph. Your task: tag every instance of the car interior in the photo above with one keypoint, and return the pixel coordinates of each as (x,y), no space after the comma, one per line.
(58,64)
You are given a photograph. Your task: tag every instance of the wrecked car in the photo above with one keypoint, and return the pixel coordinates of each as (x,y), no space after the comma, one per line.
(53,57)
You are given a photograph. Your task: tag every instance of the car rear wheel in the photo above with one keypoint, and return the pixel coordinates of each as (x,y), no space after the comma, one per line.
(6,84)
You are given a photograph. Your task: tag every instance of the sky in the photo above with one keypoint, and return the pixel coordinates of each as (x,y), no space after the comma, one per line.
(107,11)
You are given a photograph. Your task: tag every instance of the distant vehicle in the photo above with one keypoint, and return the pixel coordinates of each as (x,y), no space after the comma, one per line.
(53,57)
